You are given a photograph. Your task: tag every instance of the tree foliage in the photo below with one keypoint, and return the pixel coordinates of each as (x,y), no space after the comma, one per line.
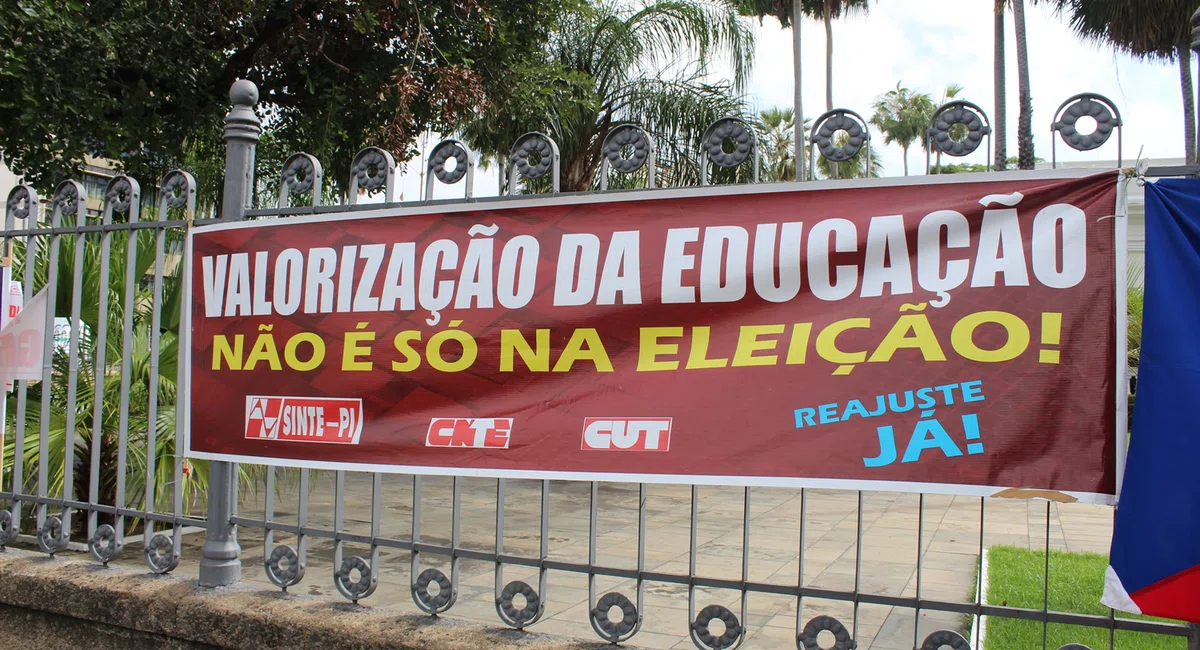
(146,82)
(777,127)
(611,63)
(903,117)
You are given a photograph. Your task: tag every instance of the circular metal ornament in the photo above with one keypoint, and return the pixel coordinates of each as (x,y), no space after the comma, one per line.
(714,142)
(103,545)
(8,531)
(626,136)
(278,574)
(66,198)
(175,190)
(445,151)
(945,639)
(160,554)
(432,603)
(526,146)
(354,589)
(807,639)
(50,536)
(366,160)
(19,202)
(1086,107)
(1074,646)
(823,137)
(611,630)
(119,194)
(532,602)
(962,114)
(299,172)
(733,628)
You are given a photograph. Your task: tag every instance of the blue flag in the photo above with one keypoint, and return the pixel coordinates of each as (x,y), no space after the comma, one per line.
(1155,558)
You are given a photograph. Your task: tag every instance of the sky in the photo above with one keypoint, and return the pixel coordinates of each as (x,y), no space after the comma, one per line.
(927,44)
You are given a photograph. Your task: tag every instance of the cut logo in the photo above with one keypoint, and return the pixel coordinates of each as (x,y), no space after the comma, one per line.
(627,434)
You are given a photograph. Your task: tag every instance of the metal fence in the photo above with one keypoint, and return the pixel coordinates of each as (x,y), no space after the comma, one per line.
(104,439)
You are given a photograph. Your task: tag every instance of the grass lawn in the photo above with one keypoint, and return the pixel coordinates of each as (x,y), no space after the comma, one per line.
(1076,584)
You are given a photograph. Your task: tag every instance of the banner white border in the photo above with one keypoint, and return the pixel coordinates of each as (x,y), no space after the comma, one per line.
(452,206)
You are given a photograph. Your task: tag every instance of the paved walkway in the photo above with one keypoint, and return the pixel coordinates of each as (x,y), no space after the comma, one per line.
(949,547)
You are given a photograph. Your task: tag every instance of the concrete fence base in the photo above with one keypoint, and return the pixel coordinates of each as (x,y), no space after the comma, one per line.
(63,602)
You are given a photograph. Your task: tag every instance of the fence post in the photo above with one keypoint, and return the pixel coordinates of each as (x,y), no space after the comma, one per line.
(220,562)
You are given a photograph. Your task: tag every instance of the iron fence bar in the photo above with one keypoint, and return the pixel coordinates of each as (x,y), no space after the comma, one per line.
(920,549)
(1112,631)
(691,574)
(301,523)
(150,499)
(339,537)
(181,398)
(641,555)
(176,191)
(800,568)
(103,509)
(745,554)
(68,489)
(857,563)
(50,287)
(133,214)
(415,557)
(1046,583)
(544,550)
(499,570)
(18,484)
(29,211)
(98,228)
(455,537)
(979,577)
(591,588)
(268,513)
(376,523)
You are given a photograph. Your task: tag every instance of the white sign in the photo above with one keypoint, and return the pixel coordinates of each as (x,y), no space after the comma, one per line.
(21,342)
(14,299)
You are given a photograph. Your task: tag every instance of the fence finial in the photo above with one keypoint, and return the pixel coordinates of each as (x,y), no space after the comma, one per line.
(242,131)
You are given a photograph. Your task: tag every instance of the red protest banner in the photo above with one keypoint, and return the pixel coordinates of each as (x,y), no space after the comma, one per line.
(948,335)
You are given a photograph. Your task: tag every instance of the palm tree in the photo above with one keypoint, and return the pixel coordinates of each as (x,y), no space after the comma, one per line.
(776,141)
(1025,118)
(903,116)
(788,13)
(1000,119)
(605,57)
(1160,33)
(829,10)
